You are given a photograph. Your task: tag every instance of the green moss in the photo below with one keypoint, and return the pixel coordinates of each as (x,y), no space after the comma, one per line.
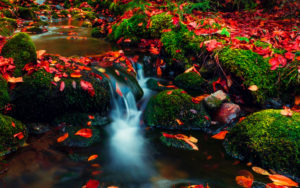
(153,85)
(7,140)
(160,22)
(264,45)
(4,96)
(191,82)
(35,29)
(96,33)
(38,99)
(26,13)
(133,28)
(268,139)
(21,48)
(7,26)
(163,110)
(253,69)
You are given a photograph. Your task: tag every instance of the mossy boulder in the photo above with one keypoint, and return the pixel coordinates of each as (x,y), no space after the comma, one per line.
(160,22)
(9,131)
(37,98)
(253,69)
(133,28)
(26,13)
(35,30)
(269,139)
(175,111)
(156,85)
(4,96)
(98,32)
(191,82)
(21,48)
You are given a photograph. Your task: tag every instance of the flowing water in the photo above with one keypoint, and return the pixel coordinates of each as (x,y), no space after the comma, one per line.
(131,156)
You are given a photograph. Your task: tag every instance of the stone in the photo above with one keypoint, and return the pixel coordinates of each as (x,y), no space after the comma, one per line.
(227,113)
(214,101)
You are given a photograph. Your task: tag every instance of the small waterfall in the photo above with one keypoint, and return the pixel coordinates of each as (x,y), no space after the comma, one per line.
(127,146)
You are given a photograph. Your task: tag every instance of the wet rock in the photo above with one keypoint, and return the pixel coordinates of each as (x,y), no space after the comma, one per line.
(191,82)
(215,100)
(157,85)
(37,128)
(268,139)
(227,113)
(174,109)
(175,143)
(12,134)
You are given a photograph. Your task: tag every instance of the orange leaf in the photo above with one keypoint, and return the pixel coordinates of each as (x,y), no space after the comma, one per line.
(14,79)
(282,180)
(89,123)
(75,75)
(118,90)
(63,137)
(198,99)
(244,181)
(40,53)
(20,135)
(220,136)
(91,117)
(92,157)
(297,100)
(170,92)
(260,170)
(95,165)
(96,172)
(179,122)
(158,71)
(286,112)
(13,124)
(253,88)
(86,132)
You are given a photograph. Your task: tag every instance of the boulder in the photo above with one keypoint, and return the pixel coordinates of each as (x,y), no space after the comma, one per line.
(227,113)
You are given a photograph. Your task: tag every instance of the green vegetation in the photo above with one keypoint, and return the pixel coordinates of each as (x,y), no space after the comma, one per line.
(9,141)
(4,96)
(191,82)
(7,26)
(160,22)
(21,48)
(26,13)
(269,139)
(164,110)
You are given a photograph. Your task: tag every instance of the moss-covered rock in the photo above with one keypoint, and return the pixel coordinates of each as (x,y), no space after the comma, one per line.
(175,111)
(253,69)
(21,48)
(160,22)
(35,30)
(191,82)
(156,85)
(133,28)
(26,13)
(269,139)
(11,132)
(97,33)
(37,98)
(4,96)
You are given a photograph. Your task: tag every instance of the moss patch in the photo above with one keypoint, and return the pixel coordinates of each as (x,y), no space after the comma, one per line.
(268,139)
(164,110)
(21,48)
(8,141)
(4,96)
(191,82)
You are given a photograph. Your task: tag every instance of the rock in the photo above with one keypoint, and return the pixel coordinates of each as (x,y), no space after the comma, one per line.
(227,113)
(26,13)
(86,24)
(153,85)
(191,82)
(175,111)
(38,99)
(37,128)
(267,139)
(214,101)
(21,48)
(12,134)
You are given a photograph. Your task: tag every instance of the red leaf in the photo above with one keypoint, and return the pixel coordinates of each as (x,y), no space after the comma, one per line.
(13,124)
(220,136)
(244,181)
(92,157)
(118,90)
(87,86)
(170,92)
(92,184)
(86,132)
(63,137)
(20,135)
(62,86)
(158,71)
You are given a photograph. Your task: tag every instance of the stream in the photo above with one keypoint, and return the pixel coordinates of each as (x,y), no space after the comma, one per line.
(131,156)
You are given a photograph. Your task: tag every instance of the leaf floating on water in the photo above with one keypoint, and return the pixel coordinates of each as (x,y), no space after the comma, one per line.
(282,180)
(118,90)
(243,181)
(102,70)
(86,132)
(92,184)
(92,157)
(260,171)
(253,88)
(220,136)
(63,137)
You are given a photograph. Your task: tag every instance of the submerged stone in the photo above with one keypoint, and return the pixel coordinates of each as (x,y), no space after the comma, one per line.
(268,139)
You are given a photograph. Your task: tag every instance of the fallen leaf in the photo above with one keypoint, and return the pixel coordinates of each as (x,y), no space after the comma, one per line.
(170,92)
(253,88)
(20,135)
(14,79)
(118,90)
(92,184)
(85,132)
(158,71)
(260,170)
(75,75)
(243,181)
(220,136)
(62,86)
(40,53)
(13,124)
(179,122)
(286,112)
(282,180)
(92,157)
(63,137)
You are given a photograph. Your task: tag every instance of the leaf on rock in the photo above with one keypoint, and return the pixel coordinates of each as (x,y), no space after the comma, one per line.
(220,136)
(63,137)
(92,157)
(85,132)
(282,180)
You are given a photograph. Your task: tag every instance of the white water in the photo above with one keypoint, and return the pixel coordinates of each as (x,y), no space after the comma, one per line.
(128,156)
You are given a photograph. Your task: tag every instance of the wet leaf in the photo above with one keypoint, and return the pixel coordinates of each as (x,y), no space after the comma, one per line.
(170,92)
(62,86)
(282,180)
(75,75)
(260,170)
(179,122)
(253,88)
(19,135)
(158,71)
(286,112)
(14,79)
(118,90)
(244,181)
(13,124)
(220,136)
(85,132)
(92,184)
(40,53)
(63,137)
(92,157)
